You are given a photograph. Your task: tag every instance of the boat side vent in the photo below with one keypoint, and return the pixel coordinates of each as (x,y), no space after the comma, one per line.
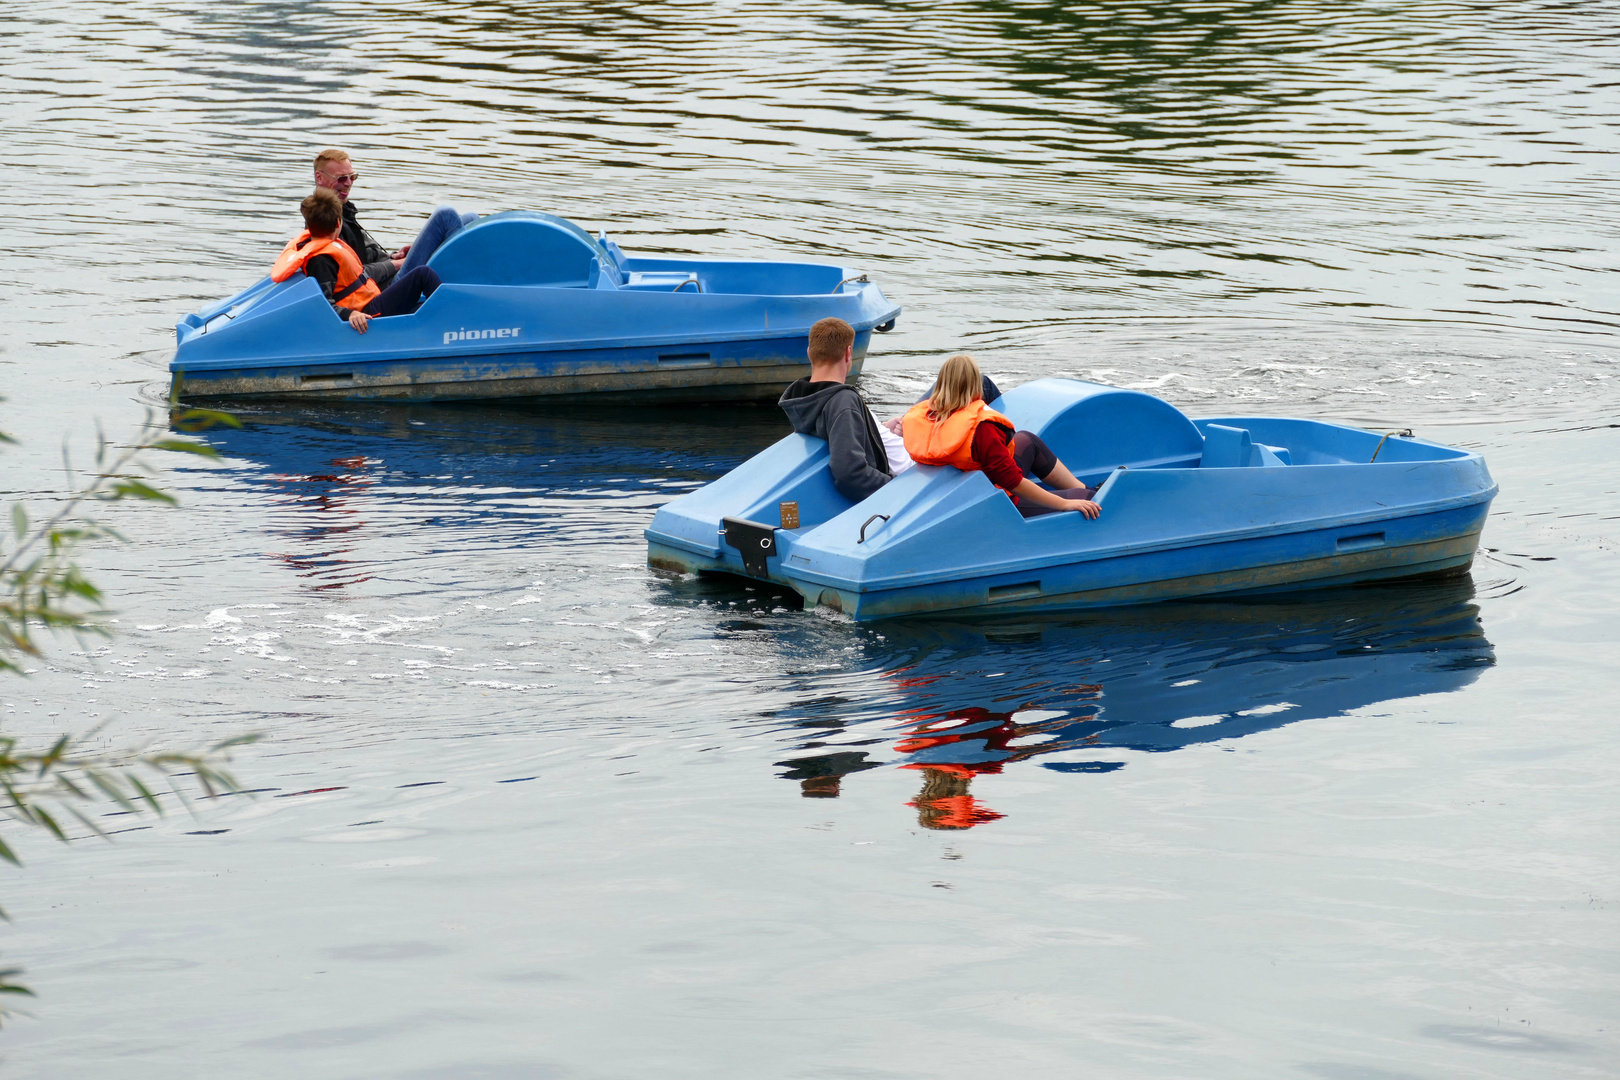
(324,379)
(684,358)
(1361,542)
(1023,590)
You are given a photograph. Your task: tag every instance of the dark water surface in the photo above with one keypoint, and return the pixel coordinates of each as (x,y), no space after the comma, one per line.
(529,810)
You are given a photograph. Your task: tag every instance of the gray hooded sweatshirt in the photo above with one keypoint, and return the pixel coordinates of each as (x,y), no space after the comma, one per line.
(835,412)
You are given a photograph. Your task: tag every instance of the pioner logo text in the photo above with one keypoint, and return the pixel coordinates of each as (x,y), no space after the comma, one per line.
(481,335)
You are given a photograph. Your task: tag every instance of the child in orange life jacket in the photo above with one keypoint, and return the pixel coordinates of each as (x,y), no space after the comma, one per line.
(318,252)
(954,426)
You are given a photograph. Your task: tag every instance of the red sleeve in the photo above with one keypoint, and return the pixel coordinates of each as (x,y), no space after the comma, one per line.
(991,453)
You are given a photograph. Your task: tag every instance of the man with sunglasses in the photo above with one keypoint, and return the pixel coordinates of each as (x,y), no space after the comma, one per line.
(334,170)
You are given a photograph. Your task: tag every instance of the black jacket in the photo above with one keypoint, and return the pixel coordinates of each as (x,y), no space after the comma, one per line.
(835,412)
(373,256)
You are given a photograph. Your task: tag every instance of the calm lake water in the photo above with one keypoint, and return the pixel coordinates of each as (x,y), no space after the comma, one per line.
(524,809)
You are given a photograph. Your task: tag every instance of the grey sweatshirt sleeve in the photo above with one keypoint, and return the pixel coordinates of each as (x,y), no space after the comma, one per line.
(847,439)
(382,271)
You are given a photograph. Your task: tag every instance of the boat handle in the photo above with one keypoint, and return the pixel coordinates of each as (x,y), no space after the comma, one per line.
(867,522)
(691,279)
(1405,433)
(862,278)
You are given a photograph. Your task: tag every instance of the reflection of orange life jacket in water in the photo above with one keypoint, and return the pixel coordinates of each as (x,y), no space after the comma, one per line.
(944,802)
(932,441)
(994,731)
(354,290)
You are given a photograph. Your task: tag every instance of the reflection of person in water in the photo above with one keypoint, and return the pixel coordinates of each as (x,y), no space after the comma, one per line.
(944,802)
(954,747)
(332,498)
(821,777)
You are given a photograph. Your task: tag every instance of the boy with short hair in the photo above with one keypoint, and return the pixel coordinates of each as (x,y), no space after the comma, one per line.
(319,253)
(825,406)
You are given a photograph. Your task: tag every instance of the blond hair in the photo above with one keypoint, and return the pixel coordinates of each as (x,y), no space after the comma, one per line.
(326,157)
(959,384)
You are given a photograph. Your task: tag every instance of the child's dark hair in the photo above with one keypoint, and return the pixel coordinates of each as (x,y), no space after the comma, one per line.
(323,212)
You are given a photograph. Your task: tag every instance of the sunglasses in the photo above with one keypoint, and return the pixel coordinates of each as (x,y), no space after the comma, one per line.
(345,178)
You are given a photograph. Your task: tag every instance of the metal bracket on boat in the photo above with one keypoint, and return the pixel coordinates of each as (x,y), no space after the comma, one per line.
(691,279)
(1405,433)
(755,541)
(862,278)
(867,522)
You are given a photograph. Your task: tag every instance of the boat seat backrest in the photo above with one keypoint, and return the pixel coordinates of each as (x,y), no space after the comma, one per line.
(1226,447)
(1229,447)
(521,248)
(1094,429)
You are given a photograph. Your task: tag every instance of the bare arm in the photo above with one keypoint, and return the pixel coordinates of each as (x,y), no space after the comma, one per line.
(1029,489)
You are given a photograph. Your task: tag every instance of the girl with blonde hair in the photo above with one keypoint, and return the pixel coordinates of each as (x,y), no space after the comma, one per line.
(954,426)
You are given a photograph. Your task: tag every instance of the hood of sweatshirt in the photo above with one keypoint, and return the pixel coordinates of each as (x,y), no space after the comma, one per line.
(806,409)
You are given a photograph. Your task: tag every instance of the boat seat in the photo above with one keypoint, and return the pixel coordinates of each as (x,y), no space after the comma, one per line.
(1234,448)
(523,248)
(1094,429)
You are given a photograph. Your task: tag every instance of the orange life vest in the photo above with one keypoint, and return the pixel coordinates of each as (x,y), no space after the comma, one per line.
(354,290)
(932,441)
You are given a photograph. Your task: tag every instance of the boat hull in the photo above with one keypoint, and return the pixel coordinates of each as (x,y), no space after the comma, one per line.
(706,371)
(1148,579)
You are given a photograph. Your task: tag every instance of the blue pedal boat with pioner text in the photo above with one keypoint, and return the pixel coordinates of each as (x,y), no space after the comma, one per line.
(534,307)
(1229,506)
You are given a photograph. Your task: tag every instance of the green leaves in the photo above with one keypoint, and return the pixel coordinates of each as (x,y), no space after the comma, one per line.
(9,987)
(41,583)
(127,487)
(43,587)
(195,420)
(44,788)
(61,775)
(180,446)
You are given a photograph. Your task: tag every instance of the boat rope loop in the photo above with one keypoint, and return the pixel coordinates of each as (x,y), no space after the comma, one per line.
(691,279)
(1405,433)
(862,278)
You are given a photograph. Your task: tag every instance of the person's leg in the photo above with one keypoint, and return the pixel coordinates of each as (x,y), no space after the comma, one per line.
(1039,463)
(406,293)
(441,225)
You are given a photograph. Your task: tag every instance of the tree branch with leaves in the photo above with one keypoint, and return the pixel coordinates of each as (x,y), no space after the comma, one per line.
(43,588)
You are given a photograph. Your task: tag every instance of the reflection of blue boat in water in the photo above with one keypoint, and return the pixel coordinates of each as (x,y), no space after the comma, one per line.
(1074,695)
(1228,506)
(532,306)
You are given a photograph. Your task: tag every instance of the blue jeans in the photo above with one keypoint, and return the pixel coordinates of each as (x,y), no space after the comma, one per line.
(439,228)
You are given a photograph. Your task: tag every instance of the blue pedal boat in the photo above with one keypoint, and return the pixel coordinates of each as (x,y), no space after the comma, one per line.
(533,306)
(1228,506)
